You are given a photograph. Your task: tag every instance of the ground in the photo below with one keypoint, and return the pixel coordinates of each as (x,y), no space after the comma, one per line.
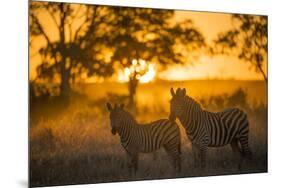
(71,142)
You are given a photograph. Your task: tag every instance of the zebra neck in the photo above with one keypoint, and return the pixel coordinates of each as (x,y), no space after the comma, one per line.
(125,131)
(189,119)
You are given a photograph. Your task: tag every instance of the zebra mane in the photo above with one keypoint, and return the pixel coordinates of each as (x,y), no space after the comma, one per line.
(193,102)
(125,115)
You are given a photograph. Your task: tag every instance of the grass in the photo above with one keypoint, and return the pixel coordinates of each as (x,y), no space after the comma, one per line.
(73,144)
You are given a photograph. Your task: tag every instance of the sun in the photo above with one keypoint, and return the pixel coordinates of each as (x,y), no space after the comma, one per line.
(149,75)
(145,72)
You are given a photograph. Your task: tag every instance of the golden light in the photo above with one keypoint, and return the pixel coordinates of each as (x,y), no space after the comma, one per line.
(149,75)
(144,71)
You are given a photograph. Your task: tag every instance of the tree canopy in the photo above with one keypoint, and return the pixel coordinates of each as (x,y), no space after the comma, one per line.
(247,40)
(149,34)
(94,40)
(80,45)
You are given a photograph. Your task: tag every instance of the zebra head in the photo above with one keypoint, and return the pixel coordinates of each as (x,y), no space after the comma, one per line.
(177,103)
(115,120)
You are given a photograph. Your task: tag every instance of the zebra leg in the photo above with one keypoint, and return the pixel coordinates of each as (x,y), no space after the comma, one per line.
(132,163)
(179,158)
(236,150)
(129,163)
(173,152)
(195,153)
(203,152)
(234,146)
(135,163)
(245,149)
(244,141)
(178,165)
(154,156)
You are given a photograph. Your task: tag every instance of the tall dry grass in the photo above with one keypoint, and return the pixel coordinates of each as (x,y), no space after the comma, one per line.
(71,144)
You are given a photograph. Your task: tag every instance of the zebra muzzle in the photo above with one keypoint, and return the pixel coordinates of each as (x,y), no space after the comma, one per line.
(113,131)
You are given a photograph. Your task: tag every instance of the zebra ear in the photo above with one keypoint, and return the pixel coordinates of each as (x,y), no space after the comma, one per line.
(172,92)
(178,91)
(184,91)
(122,105)
(109,107)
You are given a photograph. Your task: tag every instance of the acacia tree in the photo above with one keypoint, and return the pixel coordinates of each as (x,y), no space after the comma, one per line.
(150,35)
(88,34)
(79,46)
(247,40)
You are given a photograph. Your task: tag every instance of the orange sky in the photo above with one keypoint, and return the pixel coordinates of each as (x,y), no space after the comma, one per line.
(222,67)
(210,24)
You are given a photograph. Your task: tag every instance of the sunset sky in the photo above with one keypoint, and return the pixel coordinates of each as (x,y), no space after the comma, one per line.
(222,67)
(210,24)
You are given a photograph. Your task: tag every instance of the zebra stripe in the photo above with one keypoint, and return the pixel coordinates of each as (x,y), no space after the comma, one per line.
(145,138)
(209,129)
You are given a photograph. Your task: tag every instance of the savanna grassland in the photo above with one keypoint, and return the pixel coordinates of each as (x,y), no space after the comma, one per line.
(71,141)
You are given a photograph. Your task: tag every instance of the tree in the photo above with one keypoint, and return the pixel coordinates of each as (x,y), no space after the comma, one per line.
(247,40)
(94,40)
(78,48)
(149,35)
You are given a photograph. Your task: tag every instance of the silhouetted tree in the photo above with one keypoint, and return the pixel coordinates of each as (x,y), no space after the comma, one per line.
(91,39)
(76,44)
(150,35)
(247,40)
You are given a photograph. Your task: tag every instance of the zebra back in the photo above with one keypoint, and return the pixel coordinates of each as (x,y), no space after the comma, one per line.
(212,129)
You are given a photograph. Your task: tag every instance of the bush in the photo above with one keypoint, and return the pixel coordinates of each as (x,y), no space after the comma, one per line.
(219,102)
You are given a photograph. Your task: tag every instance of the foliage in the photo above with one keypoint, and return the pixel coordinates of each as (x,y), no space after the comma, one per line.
(79,47)
(219,102)
(148,34)
(247,40)
(93,40)
(112,97)
(239,99)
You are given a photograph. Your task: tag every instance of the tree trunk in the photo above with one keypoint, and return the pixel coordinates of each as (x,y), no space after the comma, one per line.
(133,83)
(65,73)
(64,85)
(263,73)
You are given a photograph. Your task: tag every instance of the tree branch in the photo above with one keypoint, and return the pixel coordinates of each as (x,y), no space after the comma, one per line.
(87,19)
(70,31)
(52,16)
(35,19)
(262,72)
(75,15)
(82,25)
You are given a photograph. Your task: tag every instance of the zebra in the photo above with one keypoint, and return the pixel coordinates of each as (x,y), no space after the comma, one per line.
(145,138)
(209,129)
